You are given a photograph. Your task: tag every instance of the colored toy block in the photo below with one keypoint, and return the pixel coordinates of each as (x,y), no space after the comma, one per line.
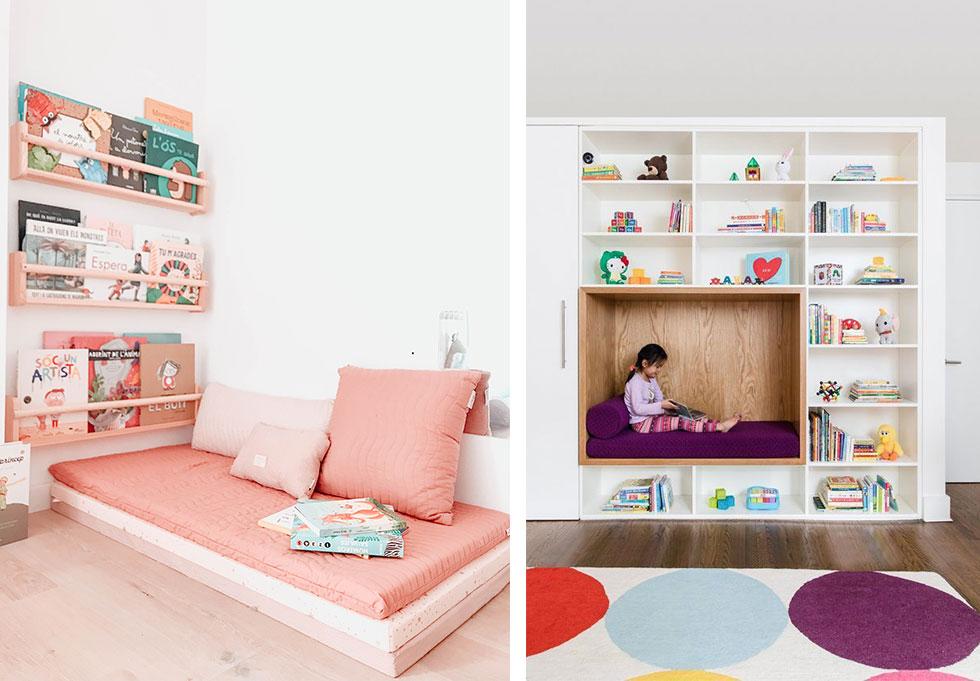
(639,276)
(726,503)
(721,500)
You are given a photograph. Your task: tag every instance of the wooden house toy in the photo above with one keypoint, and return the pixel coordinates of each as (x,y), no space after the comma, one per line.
(752,171)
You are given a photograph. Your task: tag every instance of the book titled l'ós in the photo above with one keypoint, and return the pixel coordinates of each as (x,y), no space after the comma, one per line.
(170,153)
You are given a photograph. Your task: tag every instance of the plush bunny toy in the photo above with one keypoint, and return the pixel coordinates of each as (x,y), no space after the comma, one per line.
(782,167)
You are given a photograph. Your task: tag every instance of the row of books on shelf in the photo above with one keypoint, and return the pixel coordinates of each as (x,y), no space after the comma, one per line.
(771,220)
(61,237)
(642,495)
(163,138)
(826,328)
(870,494)
(361,527)
(74,368)
(845,220)
(830,443)
(681,217)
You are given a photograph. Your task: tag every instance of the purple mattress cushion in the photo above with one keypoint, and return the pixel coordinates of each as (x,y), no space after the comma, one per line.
(747,440)
(607,419)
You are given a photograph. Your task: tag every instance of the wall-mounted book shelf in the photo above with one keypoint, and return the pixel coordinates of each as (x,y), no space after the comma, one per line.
(18,291)
(21,141)
(13,415)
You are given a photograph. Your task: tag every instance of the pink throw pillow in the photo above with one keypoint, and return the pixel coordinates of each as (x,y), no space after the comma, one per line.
(394,436)
(282,458)
(478,418)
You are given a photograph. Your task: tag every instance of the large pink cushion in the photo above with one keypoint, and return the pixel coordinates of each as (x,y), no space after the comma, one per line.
(192,494)
(394,436)
(227,416)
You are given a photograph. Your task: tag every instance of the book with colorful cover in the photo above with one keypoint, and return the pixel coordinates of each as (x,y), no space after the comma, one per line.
(282,521)
(15,488)
(166,369)
(28,210)
(118,261)
(53,340)
(52,378)
(58,245)
(351,516)
(171,153)
(383,544)
(54,117)
(178,261)
(114,374)
(127,139)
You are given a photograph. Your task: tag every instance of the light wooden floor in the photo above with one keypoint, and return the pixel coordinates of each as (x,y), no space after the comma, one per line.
(76,606)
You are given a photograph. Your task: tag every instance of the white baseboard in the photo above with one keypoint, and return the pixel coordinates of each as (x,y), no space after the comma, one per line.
(935,508)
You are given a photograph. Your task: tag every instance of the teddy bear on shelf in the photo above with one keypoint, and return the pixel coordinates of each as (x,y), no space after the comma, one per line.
(888,448)
(887,327)
(656,169)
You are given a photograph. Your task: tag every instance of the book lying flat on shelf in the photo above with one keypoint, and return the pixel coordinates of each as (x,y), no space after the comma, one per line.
(52,378)
(351,516)
(876,390)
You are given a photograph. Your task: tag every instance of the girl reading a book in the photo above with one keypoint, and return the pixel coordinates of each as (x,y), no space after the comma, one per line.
(649,411)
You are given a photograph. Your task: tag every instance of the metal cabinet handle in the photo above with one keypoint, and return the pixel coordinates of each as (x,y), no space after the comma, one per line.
(954,361)
(562,334)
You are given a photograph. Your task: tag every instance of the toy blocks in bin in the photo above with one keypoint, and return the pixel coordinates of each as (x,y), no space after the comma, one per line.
(639,276)
(623,221)
(721,500)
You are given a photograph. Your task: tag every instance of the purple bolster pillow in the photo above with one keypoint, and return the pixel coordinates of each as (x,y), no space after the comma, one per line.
(607,419)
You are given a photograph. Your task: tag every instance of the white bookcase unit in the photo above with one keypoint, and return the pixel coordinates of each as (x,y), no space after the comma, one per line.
(701,158)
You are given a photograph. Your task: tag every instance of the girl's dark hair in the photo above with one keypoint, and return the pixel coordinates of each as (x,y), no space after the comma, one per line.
(652,353)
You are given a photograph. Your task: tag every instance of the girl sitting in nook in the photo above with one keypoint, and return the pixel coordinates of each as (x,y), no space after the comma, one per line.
(649,411)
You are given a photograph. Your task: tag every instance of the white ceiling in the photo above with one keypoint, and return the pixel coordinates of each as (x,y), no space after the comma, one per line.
(761,57)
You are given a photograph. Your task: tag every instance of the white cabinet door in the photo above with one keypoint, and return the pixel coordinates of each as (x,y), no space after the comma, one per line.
(552,322)
(962,331)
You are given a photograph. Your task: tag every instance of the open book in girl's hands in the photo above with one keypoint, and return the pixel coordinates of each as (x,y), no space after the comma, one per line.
(685,411)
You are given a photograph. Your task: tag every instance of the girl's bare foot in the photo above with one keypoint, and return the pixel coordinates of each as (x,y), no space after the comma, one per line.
(727,424)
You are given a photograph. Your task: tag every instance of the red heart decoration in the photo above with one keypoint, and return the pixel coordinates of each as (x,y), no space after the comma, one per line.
(766,269)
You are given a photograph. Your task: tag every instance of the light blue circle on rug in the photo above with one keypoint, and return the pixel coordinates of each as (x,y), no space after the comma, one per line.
(696,619)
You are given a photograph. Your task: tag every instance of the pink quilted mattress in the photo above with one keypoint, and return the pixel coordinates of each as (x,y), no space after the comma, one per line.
(192,494)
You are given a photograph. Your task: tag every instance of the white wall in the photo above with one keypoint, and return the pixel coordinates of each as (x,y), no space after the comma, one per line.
(51,46)
(760,58)
(359,158)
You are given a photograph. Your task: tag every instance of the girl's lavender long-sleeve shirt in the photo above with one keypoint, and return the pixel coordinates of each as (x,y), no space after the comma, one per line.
(643,398)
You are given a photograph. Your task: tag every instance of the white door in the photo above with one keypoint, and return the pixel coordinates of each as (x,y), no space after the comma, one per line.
(552,314)
(962,332)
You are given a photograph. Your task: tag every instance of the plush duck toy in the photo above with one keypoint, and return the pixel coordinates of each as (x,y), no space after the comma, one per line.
(888,447)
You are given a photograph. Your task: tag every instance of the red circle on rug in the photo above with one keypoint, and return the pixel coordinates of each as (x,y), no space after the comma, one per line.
(561,604)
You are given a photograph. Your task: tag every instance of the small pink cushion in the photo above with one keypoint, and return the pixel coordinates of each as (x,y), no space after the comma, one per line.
(478,417)
(395,436)
(282,458)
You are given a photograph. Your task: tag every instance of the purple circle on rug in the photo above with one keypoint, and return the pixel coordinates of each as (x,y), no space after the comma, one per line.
(885,621)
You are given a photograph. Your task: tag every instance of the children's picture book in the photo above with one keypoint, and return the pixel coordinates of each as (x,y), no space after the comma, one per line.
(127,140)
(176,261)
(58,245)
(48,379)
(687,412)
(60,340)
(52,116)
(28,210)
(166,369)
(114,374)
(168,114)
(353,516)
(383,544)
(772,267)
(118,261)
(15,470)
(145,236)
(282,522)
(171,153)
(162,337)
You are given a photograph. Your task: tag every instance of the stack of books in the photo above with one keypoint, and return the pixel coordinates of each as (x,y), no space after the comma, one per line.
(681,217)
(855,173)
(830,443)
(623,221)
(771,220)
(840,493)
(362,527)
(642,495)
(844,220)
(874,390)
(670,278)
(879,273)
(601,172)
(853,337)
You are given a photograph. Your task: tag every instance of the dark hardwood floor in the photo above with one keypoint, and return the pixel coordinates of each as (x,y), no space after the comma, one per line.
(951,549)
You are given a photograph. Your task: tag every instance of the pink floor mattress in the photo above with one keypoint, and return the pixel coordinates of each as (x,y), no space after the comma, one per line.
(191,493)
